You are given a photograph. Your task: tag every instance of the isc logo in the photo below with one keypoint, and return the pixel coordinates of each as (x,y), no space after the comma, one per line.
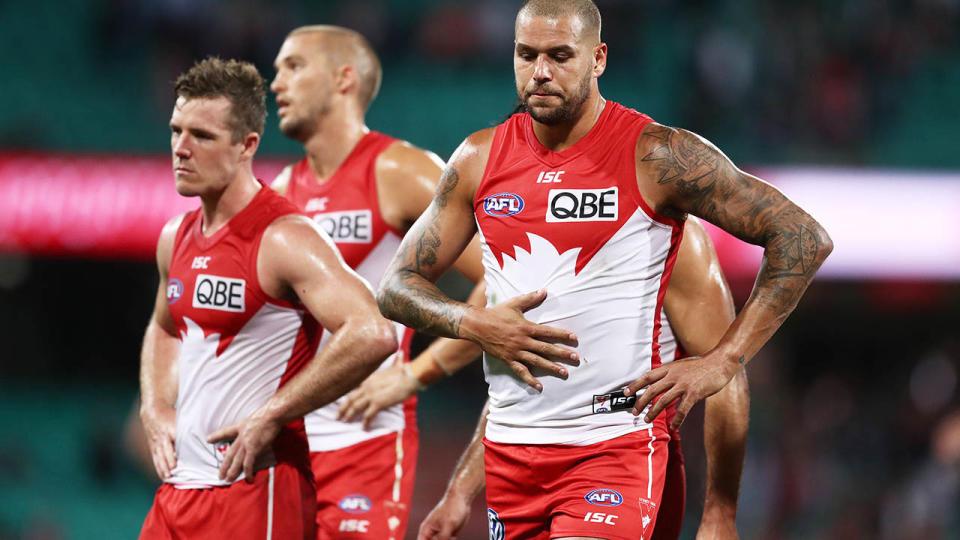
(503,204)
(600,517)
(348,227)
(220,293)
(547,177)
(572,205)
(354,525)
(355,504)
(604,497)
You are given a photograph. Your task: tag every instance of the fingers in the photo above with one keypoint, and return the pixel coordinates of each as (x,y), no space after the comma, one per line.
(169,454)
(662,403)
(543,332)
(648,395)
(370,414)
(226,434)
(532,360)
(682,409)
(524,373)
(528,301)
(160,465)
(647,379)
(352,406)
(248,462)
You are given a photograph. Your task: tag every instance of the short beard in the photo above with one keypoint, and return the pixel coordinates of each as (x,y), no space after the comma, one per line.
(300,130)
(568,110)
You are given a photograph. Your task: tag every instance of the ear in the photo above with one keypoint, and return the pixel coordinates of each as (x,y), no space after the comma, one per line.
(345,79)
(599,59)
(250,143)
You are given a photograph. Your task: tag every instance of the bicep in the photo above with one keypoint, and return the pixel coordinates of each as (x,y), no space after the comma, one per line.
(438,236)
(698,302)
(693,176)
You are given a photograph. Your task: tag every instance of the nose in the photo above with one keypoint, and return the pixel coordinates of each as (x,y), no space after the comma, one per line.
(276,85)
(181,147)
(541,70)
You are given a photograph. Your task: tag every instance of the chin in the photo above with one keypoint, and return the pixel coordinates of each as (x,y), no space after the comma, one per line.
(187,189)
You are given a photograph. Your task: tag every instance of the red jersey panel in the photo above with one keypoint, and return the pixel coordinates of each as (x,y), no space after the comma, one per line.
(347,207)
(574,222)
(237,344)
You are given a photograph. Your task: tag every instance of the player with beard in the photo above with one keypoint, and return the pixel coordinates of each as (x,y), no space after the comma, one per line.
(365,189)
(582,202)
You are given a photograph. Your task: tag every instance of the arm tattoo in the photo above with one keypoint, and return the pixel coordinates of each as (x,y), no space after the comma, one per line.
(708,185)
(407,295)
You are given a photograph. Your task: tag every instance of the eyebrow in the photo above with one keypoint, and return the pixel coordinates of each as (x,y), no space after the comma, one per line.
(552,50)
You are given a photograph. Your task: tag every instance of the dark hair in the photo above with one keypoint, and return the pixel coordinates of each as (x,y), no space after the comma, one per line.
(240,82)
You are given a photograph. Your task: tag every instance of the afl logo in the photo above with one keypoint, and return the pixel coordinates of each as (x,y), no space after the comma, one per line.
(604,497)
(174,290)
(502,204)
(355,504)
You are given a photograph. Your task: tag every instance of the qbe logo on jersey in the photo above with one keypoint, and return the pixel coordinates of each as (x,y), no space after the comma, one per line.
(220,293)
(347,227)
(502,204)
(577,205)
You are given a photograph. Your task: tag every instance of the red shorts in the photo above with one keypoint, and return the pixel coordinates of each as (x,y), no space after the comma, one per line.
(608,490)
(674,502)
(279,504)
(365,490)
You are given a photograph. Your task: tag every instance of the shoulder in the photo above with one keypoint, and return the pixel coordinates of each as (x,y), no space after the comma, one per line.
(282,181)
(474,151)
(292,234)
(402,156)
(165,243)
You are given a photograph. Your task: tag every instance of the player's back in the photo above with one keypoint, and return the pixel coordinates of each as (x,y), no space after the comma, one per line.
(347,207)
(574,222)
(238,344)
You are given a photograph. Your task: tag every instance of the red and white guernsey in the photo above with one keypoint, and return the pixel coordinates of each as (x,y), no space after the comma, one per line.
(237,344)
(347,207)
(574,222)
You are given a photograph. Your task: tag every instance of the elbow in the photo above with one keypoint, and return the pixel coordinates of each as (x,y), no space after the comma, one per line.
(382,338)
(385,300)
(824,242)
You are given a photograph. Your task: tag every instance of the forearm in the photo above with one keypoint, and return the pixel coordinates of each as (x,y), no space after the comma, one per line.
(468,477)
(793,253)
(446,356)
(158,368)
(726,420)
(409,298)
(352,353)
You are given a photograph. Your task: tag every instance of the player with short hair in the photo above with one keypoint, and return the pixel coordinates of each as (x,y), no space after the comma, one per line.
(229,364)
(365,189)
(698,308)
(583,201)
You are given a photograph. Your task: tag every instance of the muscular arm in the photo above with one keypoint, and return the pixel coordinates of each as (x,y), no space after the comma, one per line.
(681,173)
(158,366)
(297,260)
(435,241)
(452,512)
(699,306)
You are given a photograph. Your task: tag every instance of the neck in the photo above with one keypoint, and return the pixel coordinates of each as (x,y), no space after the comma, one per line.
(219,207)
(562,136)
(336,136)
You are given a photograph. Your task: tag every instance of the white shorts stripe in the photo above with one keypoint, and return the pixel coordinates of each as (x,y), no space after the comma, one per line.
(398,468)
(270,506)
(650,463)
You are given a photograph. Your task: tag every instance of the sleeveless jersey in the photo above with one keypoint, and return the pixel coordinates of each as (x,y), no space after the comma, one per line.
(347,206)
(237,344)
(574,222)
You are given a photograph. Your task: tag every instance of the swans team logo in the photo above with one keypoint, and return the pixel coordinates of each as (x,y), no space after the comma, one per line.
(174,290)
(497,532)
(502,204)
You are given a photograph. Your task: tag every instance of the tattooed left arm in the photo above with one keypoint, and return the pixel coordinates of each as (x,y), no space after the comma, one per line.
(683,173)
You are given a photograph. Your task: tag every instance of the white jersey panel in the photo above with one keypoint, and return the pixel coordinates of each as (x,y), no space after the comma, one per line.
(217,391)
(610,305)
(324,431)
